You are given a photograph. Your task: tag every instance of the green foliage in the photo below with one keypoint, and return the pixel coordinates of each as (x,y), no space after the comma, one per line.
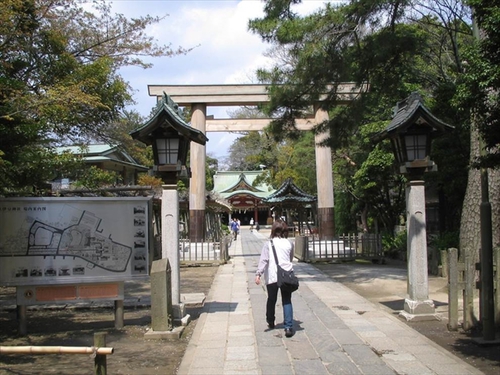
(118,132)
(479,89)
(59,81)
(394,49)
(146,180)
(225,229)
(395,246)
(211,167)
(93,178)
(292,158)
(446,240)
(345,218)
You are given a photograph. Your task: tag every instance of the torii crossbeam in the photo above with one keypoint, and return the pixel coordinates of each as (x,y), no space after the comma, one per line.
(199,97)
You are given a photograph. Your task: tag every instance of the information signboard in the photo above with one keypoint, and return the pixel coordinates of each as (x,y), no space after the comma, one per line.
(47,241)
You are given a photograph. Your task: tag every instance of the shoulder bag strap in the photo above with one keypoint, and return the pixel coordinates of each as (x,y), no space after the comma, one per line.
(274,252)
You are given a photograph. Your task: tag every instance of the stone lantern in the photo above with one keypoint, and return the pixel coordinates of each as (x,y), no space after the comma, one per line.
(411,132)
(170,137)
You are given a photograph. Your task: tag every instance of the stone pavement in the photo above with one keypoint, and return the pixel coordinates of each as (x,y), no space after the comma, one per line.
(337,330)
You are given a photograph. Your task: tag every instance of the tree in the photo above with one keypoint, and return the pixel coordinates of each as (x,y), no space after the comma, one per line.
(211,167)
(385,44)
(118,132)
(396,47)
(250,151)
(59,79)
(481,84)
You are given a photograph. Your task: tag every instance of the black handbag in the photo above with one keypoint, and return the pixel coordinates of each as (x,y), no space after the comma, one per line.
(286,279)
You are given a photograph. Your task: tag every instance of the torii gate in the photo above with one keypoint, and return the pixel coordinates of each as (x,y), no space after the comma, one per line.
(199,97)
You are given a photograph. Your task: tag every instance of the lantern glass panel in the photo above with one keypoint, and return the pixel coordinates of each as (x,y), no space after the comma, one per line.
(168,150)
(416,146)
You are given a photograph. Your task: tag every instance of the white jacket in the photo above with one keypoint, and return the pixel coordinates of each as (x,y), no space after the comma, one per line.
(267,264)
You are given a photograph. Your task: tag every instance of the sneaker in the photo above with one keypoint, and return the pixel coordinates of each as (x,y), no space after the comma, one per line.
(289,332)
(270,325)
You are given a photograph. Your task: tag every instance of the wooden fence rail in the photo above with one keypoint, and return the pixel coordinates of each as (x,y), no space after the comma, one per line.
(99,351)
(55,350)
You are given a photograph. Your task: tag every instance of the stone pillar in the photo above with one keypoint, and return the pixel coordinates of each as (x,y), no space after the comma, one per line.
(324,178)
(197,184)
(417,305)
(170,242)
(161,297)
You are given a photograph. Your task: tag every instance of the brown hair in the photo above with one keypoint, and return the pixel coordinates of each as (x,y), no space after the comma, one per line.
(279,229)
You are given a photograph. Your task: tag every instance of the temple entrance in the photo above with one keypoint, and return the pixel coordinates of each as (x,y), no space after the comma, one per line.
(199,97)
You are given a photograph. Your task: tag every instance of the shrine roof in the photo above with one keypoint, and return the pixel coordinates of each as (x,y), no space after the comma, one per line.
(289,193)
(231,183)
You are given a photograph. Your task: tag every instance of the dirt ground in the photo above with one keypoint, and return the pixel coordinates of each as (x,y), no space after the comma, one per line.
(382,284)
(76,327)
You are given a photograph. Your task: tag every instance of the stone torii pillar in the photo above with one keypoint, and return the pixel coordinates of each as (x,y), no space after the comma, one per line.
(198,178)
(324,178)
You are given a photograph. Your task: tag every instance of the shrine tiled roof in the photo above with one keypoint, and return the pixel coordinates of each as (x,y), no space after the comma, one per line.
(232,183)
(288,192)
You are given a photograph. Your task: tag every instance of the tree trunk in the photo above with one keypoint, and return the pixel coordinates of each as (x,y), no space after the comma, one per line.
(470,230)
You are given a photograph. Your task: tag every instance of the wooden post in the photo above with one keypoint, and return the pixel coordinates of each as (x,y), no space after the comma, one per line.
(496,260)
(22,320)
(100,360)
(119,320)
(452,289)
(444,264)
(469,291)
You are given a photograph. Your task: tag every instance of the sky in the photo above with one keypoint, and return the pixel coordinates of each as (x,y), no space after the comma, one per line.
(224,51)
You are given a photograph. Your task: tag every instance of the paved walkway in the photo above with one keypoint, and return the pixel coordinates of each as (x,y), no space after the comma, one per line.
(337,330)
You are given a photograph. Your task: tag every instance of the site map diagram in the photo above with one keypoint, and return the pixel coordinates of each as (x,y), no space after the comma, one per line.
(70,241)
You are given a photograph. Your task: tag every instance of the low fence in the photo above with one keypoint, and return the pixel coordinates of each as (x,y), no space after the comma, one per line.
(98,352)
(204,252)
(345,247)
(201,252)
(456,287)
(460,290)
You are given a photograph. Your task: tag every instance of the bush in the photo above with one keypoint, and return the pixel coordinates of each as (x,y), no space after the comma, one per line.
(395,246)
(445,240)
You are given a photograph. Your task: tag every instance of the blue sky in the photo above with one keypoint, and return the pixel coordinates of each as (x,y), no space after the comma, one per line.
(225,52)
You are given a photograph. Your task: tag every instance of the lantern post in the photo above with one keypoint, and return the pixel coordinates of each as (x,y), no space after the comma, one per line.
(411,132)
(170,137)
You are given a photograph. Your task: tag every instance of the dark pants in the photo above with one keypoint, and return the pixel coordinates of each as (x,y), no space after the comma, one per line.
(286,299)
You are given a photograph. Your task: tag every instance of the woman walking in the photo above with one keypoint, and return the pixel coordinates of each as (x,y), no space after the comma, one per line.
(267,267)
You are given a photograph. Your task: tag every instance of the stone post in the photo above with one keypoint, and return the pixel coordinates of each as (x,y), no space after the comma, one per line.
(170,242)
(161,296)
(417,305)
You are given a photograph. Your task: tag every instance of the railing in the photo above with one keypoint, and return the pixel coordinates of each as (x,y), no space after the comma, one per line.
(98,351)
(346,247)
(204,252)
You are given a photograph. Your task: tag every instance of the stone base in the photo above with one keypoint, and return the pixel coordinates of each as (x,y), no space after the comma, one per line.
(419,311)
(184,321)
(419,317)
(482,342)
(172,335)
(179,311)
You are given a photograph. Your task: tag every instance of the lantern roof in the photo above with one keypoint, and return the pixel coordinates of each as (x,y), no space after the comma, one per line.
(409,112)
(167,117)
